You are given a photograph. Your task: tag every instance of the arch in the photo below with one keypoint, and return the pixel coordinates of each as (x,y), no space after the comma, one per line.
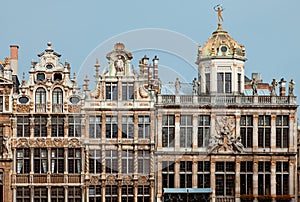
(57,100)
(40,100)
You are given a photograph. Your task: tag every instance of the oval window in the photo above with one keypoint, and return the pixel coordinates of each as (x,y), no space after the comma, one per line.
(23,100)
(49,66)
(74,100)
(223,48)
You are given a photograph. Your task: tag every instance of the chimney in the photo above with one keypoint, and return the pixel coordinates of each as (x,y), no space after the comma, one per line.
(14,59)
(282,87)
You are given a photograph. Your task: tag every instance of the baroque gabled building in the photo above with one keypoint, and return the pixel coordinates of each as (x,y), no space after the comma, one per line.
(230,138)
(8,87)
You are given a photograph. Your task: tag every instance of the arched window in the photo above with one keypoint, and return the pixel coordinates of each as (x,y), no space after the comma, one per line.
(57,100)
(40,100)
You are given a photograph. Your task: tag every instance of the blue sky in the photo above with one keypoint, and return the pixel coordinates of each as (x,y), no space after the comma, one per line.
(269,29)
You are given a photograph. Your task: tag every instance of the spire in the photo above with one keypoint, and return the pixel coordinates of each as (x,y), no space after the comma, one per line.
(97,65)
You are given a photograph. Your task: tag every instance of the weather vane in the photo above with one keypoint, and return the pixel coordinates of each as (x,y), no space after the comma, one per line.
(219,9)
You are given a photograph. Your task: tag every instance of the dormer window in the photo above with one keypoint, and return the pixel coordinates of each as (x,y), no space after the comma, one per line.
(224,82)
(40,76)
(57,77)
(49,66)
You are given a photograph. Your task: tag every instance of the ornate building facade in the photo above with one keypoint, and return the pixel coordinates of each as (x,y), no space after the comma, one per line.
(229,138)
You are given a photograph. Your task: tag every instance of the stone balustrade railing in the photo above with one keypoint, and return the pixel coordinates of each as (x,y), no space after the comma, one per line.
(225,100)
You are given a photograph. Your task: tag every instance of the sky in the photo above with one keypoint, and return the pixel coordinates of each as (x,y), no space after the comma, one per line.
(171,29)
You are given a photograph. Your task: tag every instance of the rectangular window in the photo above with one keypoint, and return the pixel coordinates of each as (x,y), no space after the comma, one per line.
(57,194)
(95,193)
(224,83)
(23,161)
(225,179)
(203,130)
(74,160)
(127,162)
(264,131)
(282,178)
(111,193)
(127,91)
(143,162)
(111,161)
(95,162)
(207,82)
(144,127)
(246,177)
(40,128)
(40,194)
(23,129)
(111,91)
(168,130)
(127,193)
(40,160)
(143,193)
(23,194)
(168,173)
(57,126)
(185,173)
(203,174)
(74,194)
(127,127)
(186,131)
(282,131)
(74,126)
(246,130)
(111,126)
(57,160)
(95,126)
(239,82)
(264,178)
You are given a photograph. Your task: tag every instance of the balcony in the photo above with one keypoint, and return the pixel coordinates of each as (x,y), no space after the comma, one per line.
(57,108)
(42,178)
(21,179)
(40,108)
(57,178)
(226,100)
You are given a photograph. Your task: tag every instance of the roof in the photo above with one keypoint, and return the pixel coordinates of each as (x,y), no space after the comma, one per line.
(187,190)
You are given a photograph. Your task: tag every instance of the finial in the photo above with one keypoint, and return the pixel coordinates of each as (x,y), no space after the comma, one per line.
(86,80)
(219,9)
(23,79)
(97,65)
(49,44)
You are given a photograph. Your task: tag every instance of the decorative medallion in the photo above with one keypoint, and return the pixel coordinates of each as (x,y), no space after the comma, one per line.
(111,179)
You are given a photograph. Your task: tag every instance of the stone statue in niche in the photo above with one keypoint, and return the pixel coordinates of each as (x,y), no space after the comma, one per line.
(7,147)
(119,64)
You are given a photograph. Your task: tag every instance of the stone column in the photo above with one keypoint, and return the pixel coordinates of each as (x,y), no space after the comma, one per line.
(87,194)
(177,131)
(237,181)
(66,193)
(31,193)
(49,193)
(292,130)
(292,178)
(66,126)
(273,178)
(49,160)
(31,125)
(152,128)
(152,191)
(14,191)
(194,175)
(195,131)
(135,192)
(159,179)
(255,132)
(31,155)
(159,131)
(212,180)
(119,191)
(237,124)
(119,126)
(176,174)
(103,128)
(255,178)
(66,161)
(135,127)
(273,132)
(103,192)
(135,161)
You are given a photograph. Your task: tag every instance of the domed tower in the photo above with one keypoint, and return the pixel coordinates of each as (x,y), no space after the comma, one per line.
(221,64)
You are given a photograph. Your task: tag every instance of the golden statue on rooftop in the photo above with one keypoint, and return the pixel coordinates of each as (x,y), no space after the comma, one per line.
(219,9)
